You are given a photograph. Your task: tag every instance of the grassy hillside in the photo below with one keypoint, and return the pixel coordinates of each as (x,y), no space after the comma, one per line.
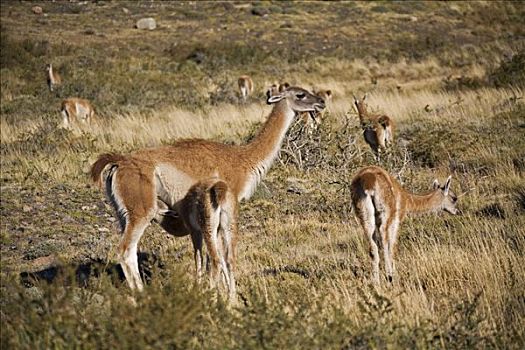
(451,75)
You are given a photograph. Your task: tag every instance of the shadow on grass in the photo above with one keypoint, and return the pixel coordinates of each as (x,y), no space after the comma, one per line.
(82,274)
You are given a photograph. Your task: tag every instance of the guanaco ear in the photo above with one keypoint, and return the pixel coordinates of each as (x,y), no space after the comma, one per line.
(274,98)
(355,99)
(328,93)
(364,97)
(435,184)
(447,185)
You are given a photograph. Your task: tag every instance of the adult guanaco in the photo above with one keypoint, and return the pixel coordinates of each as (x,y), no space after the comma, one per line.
(209,211)
(378,130)
(245,86)
(145,184)
(76,110)
(53,78)
(381,204)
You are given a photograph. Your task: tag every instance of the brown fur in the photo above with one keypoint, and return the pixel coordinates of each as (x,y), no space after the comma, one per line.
(209,211)
(245,86)
(378,130)
(102,161)
(53,78)
(69,111)
(326,95)
(381,204)
(154,180)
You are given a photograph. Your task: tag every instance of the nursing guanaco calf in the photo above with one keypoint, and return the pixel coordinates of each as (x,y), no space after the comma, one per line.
(53,78)
(209,211)
(245,86)
(381,204)
(378,130)
(149,183)
(76,110)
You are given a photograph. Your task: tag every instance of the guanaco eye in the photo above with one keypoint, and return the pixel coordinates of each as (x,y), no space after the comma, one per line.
(301,95)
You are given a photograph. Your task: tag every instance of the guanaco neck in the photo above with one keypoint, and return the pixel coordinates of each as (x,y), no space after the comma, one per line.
(416,203)
(262,150)
(361,111)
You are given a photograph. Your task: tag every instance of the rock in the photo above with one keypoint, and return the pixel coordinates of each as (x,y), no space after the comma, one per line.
(37,10)
(27,208)
(103,229)
(296,186)
(125,10)
(413,19)
(146,23)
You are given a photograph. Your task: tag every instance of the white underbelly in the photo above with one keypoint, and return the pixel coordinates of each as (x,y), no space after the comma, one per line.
(171,184)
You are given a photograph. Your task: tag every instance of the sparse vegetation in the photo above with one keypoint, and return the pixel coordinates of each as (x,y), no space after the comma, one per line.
(437,69)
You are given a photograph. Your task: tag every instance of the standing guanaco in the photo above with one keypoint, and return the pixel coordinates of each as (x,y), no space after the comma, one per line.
(381,204)
(143,185)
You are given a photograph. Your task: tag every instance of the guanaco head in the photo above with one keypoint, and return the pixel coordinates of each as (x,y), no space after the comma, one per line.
(49,67)
(283,86)
(300,100)
(360,105)
(326,95)
(273,90)
(449,198)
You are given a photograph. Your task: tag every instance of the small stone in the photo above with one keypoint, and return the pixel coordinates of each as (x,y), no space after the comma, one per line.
(27,208)
(103,229)
(125,10)
(37,10)
(146,23)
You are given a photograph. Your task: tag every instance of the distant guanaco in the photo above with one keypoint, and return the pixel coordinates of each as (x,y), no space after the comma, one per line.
(312,123)
(378,130)
(283,86)
(381,204)
(208,210)
(145,184)
(245,86)
(76,109)
(53,78)
(276,89)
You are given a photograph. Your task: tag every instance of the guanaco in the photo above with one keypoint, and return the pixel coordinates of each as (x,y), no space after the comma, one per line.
(245,86)
(148,183)
(381,204)
(209,211)
(76,110)
(378,130)
(53,78)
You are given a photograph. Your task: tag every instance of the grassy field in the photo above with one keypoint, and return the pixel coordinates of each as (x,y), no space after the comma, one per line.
(451,75)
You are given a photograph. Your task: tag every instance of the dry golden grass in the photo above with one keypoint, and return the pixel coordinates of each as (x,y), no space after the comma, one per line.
(303,265)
